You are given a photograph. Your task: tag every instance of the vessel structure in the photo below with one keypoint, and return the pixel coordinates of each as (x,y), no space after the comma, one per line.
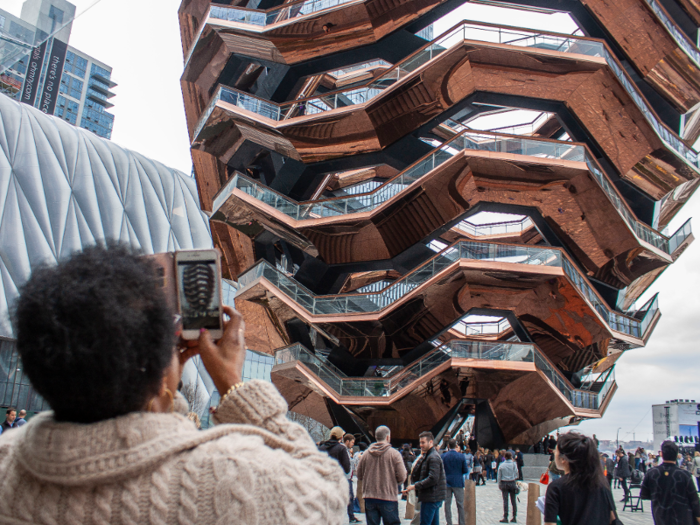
(406,262)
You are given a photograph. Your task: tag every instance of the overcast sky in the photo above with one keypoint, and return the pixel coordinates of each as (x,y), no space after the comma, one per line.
(141,41)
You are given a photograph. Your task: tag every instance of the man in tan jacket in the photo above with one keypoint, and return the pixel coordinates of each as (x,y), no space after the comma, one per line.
(381,470)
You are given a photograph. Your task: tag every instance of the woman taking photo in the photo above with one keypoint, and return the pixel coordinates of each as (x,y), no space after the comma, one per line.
(582,495)
(97,340)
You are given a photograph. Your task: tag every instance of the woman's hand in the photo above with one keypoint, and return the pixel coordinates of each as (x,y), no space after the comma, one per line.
(223,359)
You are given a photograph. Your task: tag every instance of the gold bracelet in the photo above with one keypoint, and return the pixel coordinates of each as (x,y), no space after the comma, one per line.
(230,391)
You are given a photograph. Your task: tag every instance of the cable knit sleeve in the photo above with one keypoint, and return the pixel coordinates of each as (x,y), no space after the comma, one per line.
(258,403)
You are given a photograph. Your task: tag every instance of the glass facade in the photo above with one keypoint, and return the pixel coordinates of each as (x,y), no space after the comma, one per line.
(75,65)
(162,215)
(15,389)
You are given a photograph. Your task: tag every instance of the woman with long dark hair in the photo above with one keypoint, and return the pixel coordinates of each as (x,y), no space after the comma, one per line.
(582,495)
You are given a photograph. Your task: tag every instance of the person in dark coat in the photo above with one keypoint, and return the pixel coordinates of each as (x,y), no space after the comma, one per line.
(10,417)
(520,462)
(552,443)
(623,472)
(674,500)
(408,458)
(472,444)
(428,479)
(335,448)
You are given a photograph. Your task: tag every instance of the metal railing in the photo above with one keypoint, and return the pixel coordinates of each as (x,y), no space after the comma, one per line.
(679,237)
(466,30)
(466,140)
(262,18)
(681,39)
(495,228)
(481,350)
(353,303)
(483,328)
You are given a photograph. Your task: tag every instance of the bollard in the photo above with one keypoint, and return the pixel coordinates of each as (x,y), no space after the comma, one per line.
(469,502)
(534,516)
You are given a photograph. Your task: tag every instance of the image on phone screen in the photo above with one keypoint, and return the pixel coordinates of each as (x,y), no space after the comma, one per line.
(200,292)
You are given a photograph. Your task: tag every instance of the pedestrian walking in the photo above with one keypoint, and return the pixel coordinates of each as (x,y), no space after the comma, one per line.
(507,483)
(335,449)
(380,470)
(349,443)
(455,464)
(623,472)
(696,469)
(674,500)
(582,495)
(428,480)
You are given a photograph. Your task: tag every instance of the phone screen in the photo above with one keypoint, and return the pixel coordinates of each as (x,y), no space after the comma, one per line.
(200,294)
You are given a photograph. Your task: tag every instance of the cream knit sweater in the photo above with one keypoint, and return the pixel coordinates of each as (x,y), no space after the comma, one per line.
(145,468)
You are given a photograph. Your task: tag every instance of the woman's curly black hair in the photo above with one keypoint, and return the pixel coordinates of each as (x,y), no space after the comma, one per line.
(94,333)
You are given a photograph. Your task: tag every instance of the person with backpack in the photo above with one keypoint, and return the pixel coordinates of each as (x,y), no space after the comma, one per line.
(335,449)
(674,500)
(582,495)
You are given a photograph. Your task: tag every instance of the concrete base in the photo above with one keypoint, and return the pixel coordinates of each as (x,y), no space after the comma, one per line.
(535,466)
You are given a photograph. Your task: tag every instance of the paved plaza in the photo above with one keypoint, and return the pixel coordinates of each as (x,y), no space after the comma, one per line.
(489,508)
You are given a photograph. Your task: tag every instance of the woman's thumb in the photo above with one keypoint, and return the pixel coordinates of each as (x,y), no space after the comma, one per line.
(206,344)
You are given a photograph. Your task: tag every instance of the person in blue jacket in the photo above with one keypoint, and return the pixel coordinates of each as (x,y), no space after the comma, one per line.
(455,468)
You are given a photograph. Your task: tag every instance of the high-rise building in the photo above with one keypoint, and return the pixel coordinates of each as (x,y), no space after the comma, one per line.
(39,68)
(407,257)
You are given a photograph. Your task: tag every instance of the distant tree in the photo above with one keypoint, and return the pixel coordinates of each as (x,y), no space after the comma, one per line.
(316,430)
(192,392)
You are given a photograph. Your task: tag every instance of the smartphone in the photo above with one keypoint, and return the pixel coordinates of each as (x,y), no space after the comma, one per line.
(198,274)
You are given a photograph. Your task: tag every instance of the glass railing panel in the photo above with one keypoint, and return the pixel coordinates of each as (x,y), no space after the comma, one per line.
(686,45)
(382,387)
(374,302)
(357,204)
(264,18)
(514,37)
(679,237)
(651,308)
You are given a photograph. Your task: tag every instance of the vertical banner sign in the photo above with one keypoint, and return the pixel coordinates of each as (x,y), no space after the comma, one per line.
(49,94)
(31,80)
